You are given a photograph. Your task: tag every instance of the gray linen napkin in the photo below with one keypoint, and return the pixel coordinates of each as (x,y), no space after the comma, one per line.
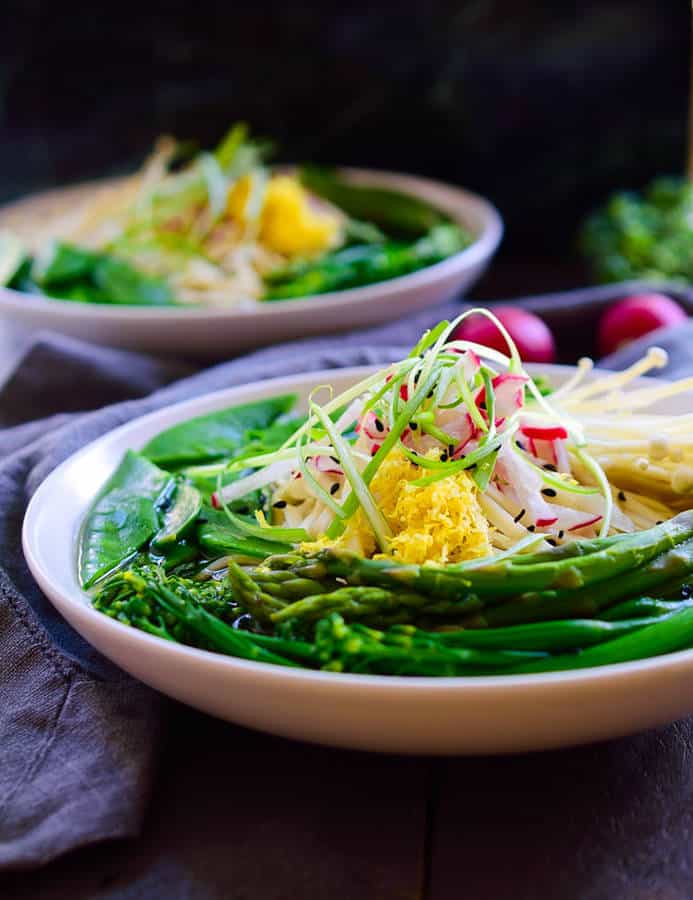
(78,738)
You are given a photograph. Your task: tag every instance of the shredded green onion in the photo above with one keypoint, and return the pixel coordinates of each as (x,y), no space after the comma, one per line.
(359,488)
(593,466)
(319,491)
(265,532)
(351,504)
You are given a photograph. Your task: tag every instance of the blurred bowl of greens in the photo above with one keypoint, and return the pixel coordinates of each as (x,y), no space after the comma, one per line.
(204,254)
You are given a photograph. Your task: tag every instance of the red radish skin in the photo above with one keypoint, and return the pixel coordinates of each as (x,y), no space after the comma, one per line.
(540,433)
(534,340)
(634,317)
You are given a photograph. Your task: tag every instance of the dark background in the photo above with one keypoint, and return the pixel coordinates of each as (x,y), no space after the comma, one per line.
(543,107)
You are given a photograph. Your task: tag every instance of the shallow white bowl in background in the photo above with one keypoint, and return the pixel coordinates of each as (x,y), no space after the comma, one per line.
(214,333)
(499,714)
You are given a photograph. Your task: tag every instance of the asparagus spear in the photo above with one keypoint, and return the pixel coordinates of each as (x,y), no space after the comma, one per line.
(172,608)
(247,594)
(507,578)
(365,602)
(673,565)
(289,588)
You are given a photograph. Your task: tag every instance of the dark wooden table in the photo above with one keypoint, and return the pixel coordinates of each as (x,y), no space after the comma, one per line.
(244,816)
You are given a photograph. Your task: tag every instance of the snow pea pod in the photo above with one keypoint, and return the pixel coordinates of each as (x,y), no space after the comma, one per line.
(124,516)
(179,517)
(390,210)
(215,435)
(218,537)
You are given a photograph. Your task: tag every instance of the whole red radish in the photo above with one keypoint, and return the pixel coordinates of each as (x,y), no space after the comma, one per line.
(534,340)
(635,316)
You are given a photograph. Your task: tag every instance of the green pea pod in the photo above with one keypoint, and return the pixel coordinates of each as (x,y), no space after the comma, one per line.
(217,537)
(73,273)
(216,435)
(123,518)
(390,210)
(179,517)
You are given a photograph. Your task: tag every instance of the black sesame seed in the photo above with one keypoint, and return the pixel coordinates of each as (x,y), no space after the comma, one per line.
(280,504)
(451,449)
(622,496)
(379,425)
(548,492)
(550,467)
(334,488)
(413,426)
(531,528)
(519,515)
(416,377)
(560,534)
(443,457)
(429,394)
(473,466)
(552,542)
(658,522)
(334,459)
(521,445)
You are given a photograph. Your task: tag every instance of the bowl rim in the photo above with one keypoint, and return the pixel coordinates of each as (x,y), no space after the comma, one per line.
(482,248)
(341,681)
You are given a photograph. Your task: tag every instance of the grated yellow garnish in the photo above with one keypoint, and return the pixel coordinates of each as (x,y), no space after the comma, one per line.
(441,522)
(289,222)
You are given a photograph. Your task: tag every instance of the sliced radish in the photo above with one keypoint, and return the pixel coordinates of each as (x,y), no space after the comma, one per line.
(547,444)
(517,487)
(351,414)
(509,396)
(462,428)
(327,464)
(585,523)
(369,425)
(544,433)
(546,522)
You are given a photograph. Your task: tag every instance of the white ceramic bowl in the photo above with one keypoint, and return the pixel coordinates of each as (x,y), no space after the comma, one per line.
(217,333)
(404,715)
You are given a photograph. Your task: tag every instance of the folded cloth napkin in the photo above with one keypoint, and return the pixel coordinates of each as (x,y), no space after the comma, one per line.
(78,737)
